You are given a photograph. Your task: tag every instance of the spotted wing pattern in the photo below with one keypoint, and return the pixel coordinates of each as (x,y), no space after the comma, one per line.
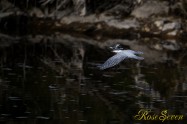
(112,61)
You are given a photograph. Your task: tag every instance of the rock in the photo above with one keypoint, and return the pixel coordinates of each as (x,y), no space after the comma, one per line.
(171,45)
(157,47)
(172,33)
(109,20)
(159,24)
(118,10)
(125,24)
(150,8)
(76,18)
(36,12)
(171,26)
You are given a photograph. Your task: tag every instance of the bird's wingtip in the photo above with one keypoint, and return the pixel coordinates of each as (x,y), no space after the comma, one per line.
(140,58)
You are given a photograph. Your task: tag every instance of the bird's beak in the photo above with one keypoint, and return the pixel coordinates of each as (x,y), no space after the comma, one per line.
(138,52)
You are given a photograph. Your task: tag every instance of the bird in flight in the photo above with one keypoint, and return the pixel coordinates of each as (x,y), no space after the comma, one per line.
(120,55)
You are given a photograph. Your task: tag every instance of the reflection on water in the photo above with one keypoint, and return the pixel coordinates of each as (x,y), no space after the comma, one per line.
(55,79)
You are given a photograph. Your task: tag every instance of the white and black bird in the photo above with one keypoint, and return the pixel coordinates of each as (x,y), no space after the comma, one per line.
(120,55)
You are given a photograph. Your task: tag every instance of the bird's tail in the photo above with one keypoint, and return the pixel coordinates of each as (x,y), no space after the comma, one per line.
(139,52)
(140,58)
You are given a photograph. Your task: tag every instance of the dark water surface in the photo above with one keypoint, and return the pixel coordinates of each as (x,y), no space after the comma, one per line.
(55,80)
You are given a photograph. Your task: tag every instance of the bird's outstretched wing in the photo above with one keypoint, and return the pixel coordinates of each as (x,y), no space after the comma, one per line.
(112,61)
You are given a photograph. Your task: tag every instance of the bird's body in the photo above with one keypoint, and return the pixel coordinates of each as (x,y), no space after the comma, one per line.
(120,56)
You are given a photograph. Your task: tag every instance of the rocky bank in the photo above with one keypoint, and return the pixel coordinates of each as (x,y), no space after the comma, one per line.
(164,19)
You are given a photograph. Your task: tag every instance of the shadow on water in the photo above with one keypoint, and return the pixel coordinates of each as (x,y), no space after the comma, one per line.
(55,79)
